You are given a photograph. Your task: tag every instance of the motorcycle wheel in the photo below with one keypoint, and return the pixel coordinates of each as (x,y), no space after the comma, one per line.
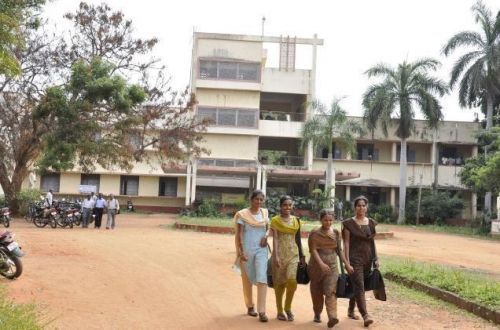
(61,220)
(6,221)
(53,222)
(40,222)
(14,267)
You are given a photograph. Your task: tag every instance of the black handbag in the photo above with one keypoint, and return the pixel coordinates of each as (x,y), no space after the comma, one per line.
(344,284)
(302,275)
(374,281)
(270,272)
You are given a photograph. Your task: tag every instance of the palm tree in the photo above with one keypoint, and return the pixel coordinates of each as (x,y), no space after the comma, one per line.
(325,125)
(479,68)
(395,97)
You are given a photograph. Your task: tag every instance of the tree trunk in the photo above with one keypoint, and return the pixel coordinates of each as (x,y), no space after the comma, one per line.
(489,124)
(12,187)
(402,182)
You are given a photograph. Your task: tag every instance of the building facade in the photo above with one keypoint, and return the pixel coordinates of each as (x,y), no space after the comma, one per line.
(258,106)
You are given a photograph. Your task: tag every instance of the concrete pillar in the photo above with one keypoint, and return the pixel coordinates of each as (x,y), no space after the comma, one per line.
(188,184)
(473,206)
(474,151)
(264,181)
(347,193)
(193,180)
(394,152)
(309,156)
(393,199)
(258,184)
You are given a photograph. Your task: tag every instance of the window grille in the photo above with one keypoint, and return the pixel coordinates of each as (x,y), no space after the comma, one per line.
(50,181)
(129,185)
(91,180)
(167,187)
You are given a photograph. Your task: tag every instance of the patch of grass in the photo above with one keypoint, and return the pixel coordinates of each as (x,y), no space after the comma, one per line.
(467,284)
(462,231)
(14,316)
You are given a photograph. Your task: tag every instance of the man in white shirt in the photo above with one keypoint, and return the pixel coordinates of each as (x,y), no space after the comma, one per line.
(113,207)
(49,198)
(87,206)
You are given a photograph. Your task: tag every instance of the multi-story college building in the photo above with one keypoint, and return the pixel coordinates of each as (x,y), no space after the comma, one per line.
(257,113)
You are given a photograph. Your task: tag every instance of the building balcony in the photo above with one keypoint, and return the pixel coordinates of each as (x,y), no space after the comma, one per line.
(279,128)
(279,81)
(386,173)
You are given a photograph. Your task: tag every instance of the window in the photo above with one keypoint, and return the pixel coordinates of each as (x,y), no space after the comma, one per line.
(167,187)
(226,117)
(227,70)
(323,152)
(91,180)
(129,185)
(230,116)
(367,152)
(50,181)
(208,69)
(411,155)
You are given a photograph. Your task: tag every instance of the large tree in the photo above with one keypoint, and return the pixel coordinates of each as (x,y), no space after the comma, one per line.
(15,15)
(477,72)
(326,125)
(72,106)
(402,89)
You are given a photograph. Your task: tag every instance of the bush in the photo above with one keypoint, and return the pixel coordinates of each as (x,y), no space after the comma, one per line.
(27,196)
(208,208)
(435,207)
(381,213)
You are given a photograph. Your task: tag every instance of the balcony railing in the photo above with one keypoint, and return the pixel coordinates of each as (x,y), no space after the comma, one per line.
(283,161)
(226,162)
(281,116)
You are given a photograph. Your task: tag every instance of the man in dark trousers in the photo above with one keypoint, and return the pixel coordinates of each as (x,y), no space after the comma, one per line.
(100,204)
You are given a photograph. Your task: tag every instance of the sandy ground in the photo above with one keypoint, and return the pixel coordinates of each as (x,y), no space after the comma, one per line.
(143,276)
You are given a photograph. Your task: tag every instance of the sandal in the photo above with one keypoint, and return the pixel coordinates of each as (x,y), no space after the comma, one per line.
(290,315)
(251,312)
(352,315)
(331,322)
(281,317)
(367,320)
(263,317)
(317,318)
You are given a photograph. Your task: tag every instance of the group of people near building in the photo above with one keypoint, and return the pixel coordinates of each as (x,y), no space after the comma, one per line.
(93,205)
(325,244)
(97,205)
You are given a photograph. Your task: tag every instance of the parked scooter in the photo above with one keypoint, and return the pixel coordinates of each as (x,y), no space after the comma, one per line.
(10,254)
(5,216)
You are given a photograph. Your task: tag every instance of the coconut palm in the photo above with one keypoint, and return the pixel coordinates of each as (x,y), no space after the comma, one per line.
(479,67)
(325,125)
(401,90)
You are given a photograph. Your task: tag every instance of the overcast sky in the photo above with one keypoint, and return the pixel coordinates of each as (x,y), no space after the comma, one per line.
(357,34)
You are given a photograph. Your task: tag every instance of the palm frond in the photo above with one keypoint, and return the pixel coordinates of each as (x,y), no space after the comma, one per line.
(380,69)
(424,64)
(465,38)
(461,64)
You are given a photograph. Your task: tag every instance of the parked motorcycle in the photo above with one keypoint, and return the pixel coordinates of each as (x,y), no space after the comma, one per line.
(6,216)
(41,220)
(10,254)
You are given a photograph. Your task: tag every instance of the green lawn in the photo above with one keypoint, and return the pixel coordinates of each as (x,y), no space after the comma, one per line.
(467,284)
(15,316)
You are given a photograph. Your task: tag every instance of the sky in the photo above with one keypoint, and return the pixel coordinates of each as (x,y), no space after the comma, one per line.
(357,34)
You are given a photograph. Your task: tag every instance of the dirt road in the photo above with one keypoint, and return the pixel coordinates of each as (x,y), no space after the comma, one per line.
(142,276)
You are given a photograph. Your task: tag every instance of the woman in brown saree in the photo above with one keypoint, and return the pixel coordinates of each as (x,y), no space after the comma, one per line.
(324,246)
(358,233)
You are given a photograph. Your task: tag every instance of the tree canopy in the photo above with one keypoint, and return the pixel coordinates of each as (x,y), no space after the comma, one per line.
(14,16)
(91,96)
